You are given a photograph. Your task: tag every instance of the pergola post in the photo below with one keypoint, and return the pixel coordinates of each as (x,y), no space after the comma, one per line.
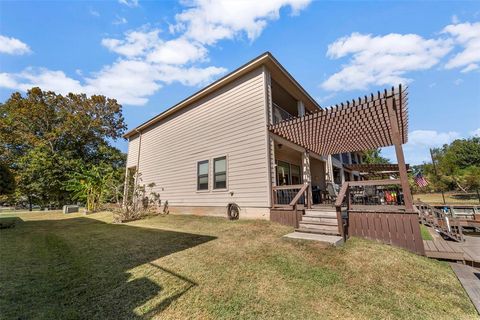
(397,142)
(307,177)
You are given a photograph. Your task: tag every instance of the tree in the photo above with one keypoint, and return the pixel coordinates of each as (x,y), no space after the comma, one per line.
(7,180)
(374,157)
(45,137)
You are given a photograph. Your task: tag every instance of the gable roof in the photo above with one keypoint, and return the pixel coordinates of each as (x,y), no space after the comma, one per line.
(276,69)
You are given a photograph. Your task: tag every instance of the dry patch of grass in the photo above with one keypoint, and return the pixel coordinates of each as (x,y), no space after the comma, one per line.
(186,267)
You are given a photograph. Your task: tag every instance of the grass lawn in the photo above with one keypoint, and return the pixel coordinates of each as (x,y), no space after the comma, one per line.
(450,198)
(425,233)
(56,266)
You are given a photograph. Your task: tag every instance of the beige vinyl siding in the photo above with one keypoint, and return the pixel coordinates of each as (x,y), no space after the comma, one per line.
(230,122)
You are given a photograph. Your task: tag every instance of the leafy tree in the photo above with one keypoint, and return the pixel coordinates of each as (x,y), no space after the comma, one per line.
(7,180)
(374,157)
(45,137)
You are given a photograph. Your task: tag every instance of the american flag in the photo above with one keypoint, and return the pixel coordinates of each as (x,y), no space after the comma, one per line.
(420,180)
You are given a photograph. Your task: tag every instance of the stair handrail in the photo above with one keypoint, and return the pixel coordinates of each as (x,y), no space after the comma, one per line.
(299,194)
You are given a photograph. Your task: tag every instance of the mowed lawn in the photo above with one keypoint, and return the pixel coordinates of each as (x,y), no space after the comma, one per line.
(450,198)
(56,266)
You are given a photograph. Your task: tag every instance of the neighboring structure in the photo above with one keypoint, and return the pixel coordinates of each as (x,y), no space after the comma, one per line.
(215,147)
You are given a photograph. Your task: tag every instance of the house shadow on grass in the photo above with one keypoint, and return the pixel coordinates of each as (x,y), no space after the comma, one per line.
(81,268)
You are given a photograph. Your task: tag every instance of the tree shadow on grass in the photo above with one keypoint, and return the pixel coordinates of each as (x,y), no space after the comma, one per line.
(82,268)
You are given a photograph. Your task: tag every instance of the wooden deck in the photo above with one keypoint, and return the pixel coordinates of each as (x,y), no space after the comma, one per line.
(470,279)
(467,252)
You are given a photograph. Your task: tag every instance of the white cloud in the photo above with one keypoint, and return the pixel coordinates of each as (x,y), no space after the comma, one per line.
(417,150)
(431,138)
(147,44)
(129,3)
(135,43)
(382,60)
(178,51)
(147,60)
(129,81)
(119,20)
(208,21)
(458,81)
(13,46)
(455,19)
(94,13)
(475,133)
(466,35)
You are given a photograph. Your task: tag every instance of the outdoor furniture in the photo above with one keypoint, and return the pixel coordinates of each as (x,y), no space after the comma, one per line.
(371,195)
(332,192)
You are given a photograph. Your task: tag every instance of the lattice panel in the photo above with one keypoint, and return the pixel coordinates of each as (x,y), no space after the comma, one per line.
(356,125)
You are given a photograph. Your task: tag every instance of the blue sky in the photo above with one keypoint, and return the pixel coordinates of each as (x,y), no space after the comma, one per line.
(150,55)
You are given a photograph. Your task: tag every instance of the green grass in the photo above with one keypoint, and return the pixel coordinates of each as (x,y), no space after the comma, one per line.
(56,266)
(450,198)
(425,233)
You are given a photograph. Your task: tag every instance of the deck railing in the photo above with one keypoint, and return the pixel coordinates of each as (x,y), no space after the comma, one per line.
(386,221)
(279,114)
(447,224)
(288,196)
(286,201)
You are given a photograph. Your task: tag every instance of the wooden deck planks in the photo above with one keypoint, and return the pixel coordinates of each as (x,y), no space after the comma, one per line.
(470,280)
(468,251)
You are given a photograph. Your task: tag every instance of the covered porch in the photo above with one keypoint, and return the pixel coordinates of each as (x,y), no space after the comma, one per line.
(370,122)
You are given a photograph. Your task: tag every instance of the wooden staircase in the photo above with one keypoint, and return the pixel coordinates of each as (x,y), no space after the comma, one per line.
(319,220)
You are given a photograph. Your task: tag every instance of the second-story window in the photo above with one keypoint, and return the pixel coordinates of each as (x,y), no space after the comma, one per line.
(202,175)
(220,173)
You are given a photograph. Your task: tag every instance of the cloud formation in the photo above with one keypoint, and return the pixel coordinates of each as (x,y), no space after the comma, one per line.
(386,60)
(466,35)
(147,60)
(13,46)
(382,60)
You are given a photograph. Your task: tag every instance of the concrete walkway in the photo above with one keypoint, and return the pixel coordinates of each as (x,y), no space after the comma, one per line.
(328,239)
(470,279)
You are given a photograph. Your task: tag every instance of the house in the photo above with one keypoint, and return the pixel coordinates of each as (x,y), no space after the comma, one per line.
(215,147)
(257,139)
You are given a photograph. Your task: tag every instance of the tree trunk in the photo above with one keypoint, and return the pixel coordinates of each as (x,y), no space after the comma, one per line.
(30,206)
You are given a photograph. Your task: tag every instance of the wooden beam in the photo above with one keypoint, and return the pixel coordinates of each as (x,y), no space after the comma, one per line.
(402,168)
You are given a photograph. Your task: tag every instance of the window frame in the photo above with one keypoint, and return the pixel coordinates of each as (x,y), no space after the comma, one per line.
(203,175)
(214,175)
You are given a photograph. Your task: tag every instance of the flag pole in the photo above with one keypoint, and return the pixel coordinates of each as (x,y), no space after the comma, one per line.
(436,172)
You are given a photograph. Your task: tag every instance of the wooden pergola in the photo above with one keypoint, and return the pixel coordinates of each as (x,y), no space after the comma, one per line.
(370,122)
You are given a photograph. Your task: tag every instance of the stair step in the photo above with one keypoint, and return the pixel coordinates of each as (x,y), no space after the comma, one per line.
(318,226)
(326,222)
(321,214)
(317,231)
(325,208)
(319,217)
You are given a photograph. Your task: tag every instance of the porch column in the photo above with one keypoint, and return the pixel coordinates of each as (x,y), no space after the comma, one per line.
(307,176)
(329,169)
(300,108)
(397,142)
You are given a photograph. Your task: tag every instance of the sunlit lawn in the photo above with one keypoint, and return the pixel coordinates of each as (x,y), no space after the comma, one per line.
(56,266)
(450,198)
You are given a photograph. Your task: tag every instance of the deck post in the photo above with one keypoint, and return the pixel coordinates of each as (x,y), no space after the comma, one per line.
(397,142)
(307,178)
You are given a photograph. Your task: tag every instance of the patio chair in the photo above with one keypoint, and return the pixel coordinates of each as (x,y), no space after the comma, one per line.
(371,195)
(332,192)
